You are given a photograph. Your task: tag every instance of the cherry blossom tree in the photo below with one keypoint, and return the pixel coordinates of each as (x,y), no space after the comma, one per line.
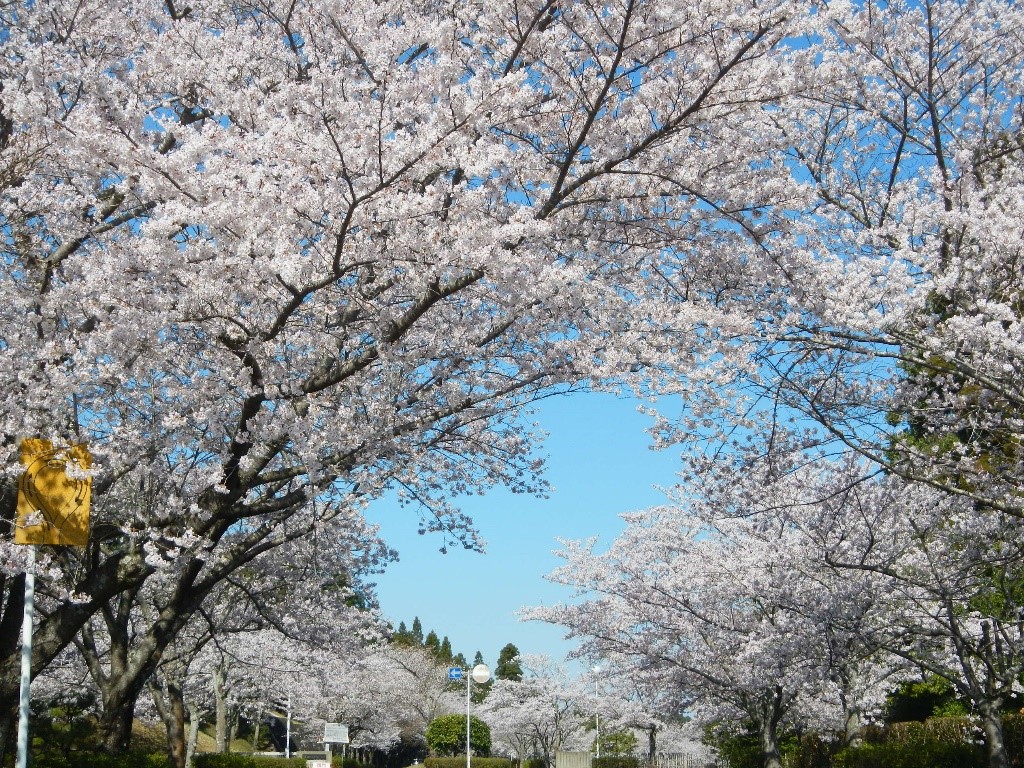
(393,694)
(950,573)
(305,589)
(733,608)
(540,714)
(797,591)
(270,259)
(879,305)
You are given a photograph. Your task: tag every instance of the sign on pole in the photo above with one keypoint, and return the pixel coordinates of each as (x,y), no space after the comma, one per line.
(335,733)
(53,494)
(454,673)
(54,491)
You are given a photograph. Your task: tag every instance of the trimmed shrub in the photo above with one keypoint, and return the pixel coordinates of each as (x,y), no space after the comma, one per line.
(475,762)
(76,759)
(446,735)
(616,761)
(926,753)
(813,751)
(235,760)
(1013,737)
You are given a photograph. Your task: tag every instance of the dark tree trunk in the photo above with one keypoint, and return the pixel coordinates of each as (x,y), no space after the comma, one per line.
(992,725)
(767,712)
(770,754)
(170,705)
(115,723)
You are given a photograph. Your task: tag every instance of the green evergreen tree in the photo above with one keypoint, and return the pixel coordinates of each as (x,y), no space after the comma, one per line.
(445,651)
(401,635)
(508,667)
(417,631)
(432,643)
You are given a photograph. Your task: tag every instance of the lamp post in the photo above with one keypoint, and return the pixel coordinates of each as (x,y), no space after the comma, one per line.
(597,714)
(480,674)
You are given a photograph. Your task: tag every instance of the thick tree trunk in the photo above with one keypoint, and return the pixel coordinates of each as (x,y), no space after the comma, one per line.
(853,734)
(115,724)
(8,728)
(194,720)
(170,705)
(770,755)
(256,730)
(767,711)
(221,712)
(176,745)
(992,725)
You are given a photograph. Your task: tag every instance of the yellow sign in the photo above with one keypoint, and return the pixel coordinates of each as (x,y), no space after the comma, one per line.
(53,494)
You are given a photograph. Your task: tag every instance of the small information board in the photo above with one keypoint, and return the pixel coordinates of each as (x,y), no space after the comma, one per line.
(335,733)
(454,673)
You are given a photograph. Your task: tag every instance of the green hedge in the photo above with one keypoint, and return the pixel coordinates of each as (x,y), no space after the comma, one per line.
(921,754)
(460,762)
(233,760)
(75,759)
(616,761)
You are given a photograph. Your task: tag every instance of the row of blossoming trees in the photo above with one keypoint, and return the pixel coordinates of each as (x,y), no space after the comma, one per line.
(273,259)
(850,511)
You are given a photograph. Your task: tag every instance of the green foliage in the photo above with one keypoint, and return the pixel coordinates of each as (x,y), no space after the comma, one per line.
(618,743)
(616,761)
(446,735)
(922,699)
(445,651)
(1013,735)
(440,648)
(814,752)
(76,759)
(949,730)
(337,761)
(535,762)
(233,760)
(929,753)
(475,762)
(743,750)
(432,643)
(64,722)
(508,667)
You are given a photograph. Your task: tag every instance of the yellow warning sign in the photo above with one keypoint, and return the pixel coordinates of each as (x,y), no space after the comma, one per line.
(53,494)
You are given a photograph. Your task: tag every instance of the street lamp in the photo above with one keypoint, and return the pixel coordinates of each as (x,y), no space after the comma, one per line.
(597,714)
(480,674)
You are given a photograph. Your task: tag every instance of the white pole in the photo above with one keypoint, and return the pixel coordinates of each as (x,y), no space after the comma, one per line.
(468,678)
(597,713)
(26,658)
(288,729)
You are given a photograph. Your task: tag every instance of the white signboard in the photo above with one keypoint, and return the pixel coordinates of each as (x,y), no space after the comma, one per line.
(335,733)
(318,764)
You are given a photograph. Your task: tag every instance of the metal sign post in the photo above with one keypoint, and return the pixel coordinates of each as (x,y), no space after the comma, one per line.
(26,659)
(52,508)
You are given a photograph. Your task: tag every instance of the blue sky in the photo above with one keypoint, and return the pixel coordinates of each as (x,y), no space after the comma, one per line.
(600,464)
